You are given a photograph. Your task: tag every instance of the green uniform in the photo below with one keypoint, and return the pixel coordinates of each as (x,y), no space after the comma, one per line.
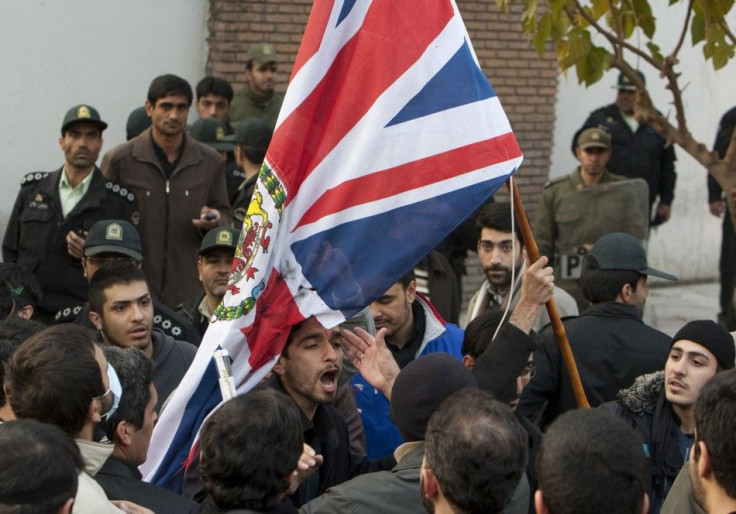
(247,104)
(571,215)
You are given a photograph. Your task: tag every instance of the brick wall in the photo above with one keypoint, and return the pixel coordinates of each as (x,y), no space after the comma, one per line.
(525,83)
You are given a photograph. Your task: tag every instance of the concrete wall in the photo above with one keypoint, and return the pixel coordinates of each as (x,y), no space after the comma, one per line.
(56,54)
(689,244)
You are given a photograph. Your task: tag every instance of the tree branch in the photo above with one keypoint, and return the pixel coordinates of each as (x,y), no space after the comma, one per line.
(727,31)
(673,55)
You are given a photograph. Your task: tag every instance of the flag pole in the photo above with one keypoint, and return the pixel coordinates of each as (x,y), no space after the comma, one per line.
(554,316)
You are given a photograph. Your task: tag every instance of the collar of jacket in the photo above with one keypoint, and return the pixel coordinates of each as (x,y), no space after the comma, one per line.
(143,151)
(613,310)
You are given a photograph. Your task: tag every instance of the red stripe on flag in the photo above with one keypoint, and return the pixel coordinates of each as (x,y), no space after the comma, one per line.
(276,313)
(393,37)
(415,174)
(316,28)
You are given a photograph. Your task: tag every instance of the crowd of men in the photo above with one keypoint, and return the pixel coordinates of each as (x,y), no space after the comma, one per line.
(111,276)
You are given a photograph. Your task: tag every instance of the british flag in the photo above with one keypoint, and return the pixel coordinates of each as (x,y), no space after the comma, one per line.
(389,136)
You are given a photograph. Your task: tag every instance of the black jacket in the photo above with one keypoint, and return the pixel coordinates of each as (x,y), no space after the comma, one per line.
(171,360)
(121,480)
(643,153)
(644,407)
(36,233)
(611,345)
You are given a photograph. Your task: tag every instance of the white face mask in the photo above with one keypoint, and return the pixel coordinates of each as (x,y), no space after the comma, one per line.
(115,388)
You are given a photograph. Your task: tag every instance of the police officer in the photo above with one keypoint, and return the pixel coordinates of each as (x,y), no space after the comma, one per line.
(54,211)
(214,262)
(258,99)
(114,240)
(639,151)
(578,209)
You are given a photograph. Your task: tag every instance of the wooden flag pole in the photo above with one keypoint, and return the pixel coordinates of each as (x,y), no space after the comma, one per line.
(554,316)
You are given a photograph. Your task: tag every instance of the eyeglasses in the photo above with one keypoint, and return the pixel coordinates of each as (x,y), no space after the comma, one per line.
(528,372)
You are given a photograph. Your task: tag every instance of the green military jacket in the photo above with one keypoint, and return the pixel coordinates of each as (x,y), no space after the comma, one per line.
(571,215)
(246,104)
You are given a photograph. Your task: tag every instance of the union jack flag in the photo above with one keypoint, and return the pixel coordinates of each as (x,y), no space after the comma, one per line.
(389,136)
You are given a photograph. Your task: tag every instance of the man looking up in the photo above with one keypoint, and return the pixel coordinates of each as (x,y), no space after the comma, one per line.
(180,184)
(661,407)
(54,211)
(498,250)
(121,308)
(258,99)
(214,262)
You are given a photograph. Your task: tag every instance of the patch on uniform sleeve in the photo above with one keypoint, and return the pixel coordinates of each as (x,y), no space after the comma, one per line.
(31,178)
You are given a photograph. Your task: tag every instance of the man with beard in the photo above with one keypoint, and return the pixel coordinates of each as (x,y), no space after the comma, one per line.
(54,211)
(214,262)
(500,249)
(610,342)
(713,457)
(121,308)
(258,99)
(661,407)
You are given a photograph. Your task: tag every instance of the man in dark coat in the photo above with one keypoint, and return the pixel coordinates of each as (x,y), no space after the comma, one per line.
(54,211)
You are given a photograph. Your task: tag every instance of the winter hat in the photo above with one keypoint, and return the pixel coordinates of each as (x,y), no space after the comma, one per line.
(712,336)
(420,388)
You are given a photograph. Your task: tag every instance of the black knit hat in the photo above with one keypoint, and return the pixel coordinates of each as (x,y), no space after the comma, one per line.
(712,336)
(420,388)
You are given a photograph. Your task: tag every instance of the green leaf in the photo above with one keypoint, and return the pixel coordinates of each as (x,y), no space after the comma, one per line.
(599,8)
(503,5)
(578,46)
(590,69)
(655,51)
(697,28)
(544,29)
(643,17)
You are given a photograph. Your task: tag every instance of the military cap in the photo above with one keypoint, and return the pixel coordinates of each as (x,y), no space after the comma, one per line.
(594,138)
(211,132)
(80,113)
(113,236)
(138,121)
(220,237)
(253,133)
(624,83)
(261,52)
(623,252)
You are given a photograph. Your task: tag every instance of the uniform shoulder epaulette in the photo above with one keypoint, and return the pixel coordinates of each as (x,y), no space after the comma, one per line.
(120,190)
(554,181)
(68,314)
(33,177)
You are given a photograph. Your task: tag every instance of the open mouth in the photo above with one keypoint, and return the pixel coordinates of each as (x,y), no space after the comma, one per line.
(676,385)
(328,380)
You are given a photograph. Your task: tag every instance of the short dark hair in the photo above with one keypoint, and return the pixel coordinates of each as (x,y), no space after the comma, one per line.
(408,278)
(479,332)
(13,331)
(54,376)
(249,447)
(214,86)
(715,425)
(18,288)
(603,285)
(135,372)
(165,85)
(41,465)
(591,461)
(497,216)
(477,450)
(111,274)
